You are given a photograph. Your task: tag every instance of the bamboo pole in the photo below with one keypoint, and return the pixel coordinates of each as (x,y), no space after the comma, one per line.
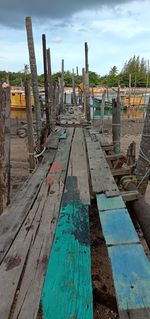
(30,126)
(4,147)
(33,68)
(116,123)
(46,81)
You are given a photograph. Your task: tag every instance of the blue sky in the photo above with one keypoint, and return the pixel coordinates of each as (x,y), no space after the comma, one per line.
(115,32)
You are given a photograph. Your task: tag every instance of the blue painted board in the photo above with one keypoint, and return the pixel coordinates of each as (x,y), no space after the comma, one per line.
(118,227)
(131,273)
(106,203)
(63,136)
(67,291)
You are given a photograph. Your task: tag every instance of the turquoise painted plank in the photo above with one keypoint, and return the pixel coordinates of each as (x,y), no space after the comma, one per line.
(106,203)
(63,136)
(67,291)
(118,227)
(131,273)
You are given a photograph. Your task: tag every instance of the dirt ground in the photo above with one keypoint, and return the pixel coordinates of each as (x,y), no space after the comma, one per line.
(104,299)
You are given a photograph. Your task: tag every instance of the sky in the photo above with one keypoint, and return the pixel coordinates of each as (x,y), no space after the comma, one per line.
(115,30)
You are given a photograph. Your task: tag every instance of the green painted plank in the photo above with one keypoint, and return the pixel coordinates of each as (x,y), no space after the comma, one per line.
(63,136)
(131,273)
(109,203)
(117,227)
(67,291)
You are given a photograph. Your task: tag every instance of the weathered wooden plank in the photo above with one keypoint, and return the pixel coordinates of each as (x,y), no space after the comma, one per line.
(13,264)
(121,171)
(108,203)
(131,272)
(101,178)
(117,227)
(15,215)
(130,195)
(78,165)
(53,140)
(27,304)
(67,291)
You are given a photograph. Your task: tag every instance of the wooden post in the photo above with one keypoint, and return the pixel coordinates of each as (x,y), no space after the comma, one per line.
(33,68)
(62,88)
(143,163)
(4,147)
(77,71)
(130,89)
(116,124)
(86,82)
(30,126)
(74,90)
(46,81)
(84,96)
(131,154)
(51,102)
(103,109)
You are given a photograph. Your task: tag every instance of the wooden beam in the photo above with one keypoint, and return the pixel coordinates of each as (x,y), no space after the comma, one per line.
(116,123)
(46,81)
(121,171)
(130,195)
(30,126)
(34,77)
(4,147)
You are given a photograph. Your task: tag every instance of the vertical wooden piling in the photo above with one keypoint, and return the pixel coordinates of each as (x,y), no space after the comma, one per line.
(74,89)
(34,77)
(4,147)
(46,81)
(62,88)
(116,123)
(130,79)
(84,96)
(86,84)
(51,101)
(103,110)
(143,162)
(30,126)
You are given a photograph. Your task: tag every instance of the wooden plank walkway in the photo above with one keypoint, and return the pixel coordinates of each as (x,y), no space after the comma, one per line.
(130,266)
(69,271)
(101,178)
(23,268)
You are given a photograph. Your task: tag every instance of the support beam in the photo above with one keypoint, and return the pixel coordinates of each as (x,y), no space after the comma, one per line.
(33,68)
(30,126)
(4,148)
(46,81)
(116,124)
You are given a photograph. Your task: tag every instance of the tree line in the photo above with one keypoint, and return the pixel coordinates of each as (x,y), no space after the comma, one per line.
(136,66)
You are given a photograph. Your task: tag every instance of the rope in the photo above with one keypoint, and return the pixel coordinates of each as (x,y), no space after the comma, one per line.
(38,155)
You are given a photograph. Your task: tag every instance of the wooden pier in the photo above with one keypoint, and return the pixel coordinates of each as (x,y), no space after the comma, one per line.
(45,241)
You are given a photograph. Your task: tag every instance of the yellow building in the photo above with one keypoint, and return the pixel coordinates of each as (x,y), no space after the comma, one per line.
(18,99)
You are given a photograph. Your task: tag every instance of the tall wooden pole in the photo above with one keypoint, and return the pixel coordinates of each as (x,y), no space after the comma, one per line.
(30,126)
(46,81)
(51,104)
(130,79)
(34,77)
(116,123)
(73,86)
(143,163)
(62,87)
(86,82)
(84,96)
(4,147)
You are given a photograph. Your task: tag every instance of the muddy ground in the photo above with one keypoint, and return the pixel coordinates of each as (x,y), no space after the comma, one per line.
(103,290)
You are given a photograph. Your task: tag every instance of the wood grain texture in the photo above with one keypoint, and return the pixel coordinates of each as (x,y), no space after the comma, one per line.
(101,178)
(117,227)
(67,291)
(131,272)
(15,215)
(78,165)
(27,304)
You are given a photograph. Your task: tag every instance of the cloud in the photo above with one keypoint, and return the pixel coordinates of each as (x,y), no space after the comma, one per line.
(56,39)
(12,13)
